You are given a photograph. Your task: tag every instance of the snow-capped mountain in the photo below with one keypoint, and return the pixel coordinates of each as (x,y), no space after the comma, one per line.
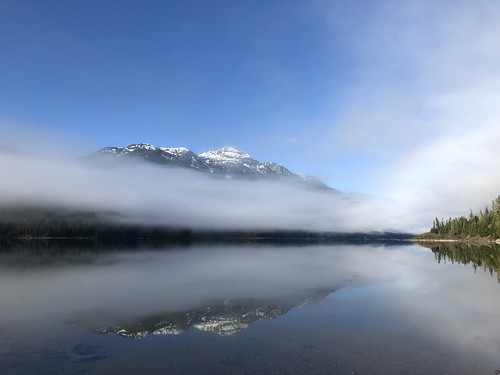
(174,156)
(230,160)
(226,161)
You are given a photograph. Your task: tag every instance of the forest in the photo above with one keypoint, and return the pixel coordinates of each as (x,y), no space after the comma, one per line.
(49,223)
(482,224)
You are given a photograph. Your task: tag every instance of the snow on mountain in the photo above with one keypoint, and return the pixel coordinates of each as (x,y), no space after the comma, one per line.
(173,156)
(174,150)
(231,161)
(228,162)
(141,146)
(225,154)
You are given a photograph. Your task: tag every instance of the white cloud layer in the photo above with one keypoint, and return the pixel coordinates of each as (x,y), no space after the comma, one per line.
(154,194)
(446,176)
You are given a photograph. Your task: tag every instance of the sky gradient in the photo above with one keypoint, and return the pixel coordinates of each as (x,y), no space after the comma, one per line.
(396,99)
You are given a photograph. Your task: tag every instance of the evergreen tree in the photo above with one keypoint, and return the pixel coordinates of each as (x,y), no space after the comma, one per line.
(485,224)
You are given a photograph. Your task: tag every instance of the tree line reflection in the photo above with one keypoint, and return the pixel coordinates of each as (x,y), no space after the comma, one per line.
(485,256)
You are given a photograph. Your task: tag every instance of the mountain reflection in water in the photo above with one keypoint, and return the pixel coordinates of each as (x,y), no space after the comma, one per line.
(224,319)
(242,309)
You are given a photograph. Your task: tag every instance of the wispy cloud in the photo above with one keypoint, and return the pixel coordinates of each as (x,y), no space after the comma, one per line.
(423,111)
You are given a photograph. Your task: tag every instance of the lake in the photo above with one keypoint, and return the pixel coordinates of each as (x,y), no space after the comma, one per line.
(250,309)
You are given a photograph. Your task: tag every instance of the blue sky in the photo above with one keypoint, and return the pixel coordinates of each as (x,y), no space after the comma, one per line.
(353,92)
(202,74)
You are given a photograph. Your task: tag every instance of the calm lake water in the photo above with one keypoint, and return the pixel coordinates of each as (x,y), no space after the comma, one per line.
(250,309)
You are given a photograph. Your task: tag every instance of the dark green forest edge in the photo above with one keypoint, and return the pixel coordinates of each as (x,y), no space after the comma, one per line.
(29,224)
(482,227)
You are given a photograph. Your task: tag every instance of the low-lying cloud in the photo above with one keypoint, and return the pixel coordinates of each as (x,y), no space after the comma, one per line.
(146,193)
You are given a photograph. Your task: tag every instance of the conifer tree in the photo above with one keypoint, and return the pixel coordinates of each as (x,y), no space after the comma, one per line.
(485,224)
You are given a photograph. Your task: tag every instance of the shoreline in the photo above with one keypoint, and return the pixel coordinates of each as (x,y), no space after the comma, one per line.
(474,241)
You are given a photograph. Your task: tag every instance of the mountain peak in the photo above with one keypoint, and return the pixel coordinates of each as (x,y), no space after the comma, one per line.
(227,153)
(174,150)
(141,146)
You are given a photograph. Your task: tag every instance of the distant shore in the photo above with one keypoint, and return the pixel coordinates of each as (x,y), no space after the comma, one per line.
(432,237)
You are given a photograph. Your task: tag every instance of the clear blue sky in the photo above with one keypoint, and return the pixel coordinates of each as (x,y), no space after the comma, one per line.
(332,88)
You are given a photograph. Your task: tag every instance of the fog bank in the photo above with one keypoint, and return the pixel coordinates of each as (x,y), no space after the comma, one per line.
(142,192)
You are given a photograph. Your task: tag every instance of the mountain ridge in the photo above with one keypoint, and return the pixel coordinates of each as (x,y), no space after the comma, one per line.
(226,161)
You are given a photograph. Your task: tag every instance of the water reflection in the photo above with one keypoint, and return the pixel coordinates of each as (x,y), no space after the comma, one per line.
(140,292)
(223,318)
(325,308)
(485,256)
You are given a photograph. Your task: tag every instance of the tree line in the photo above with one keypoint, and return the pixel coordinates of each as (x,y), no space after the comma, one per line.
(53,223)
(484,224)
(42,223)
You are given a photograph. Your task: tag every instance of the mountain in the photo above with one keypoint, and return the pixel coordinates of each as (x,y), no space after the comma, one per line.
(227,162)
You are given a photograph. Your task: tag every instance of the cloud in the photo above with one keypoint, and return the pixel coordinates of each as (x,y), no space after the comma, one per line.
(448,176)
(144,192)
(415,68)
(422,108)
